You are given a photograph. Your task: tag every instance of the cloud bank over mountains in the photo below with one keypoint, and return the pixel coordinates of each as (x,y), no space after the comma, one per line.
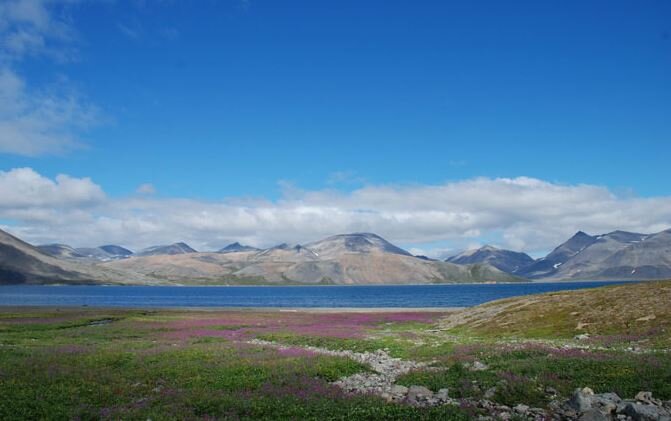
(524,213)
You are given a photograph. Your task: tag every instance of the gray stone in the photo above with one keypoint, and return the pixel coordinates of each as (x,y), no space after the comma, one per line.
(418,394)
(581,400)
(521,409)
(593,415)
(606,402)
(442,395)
(397,389)
(640,412)
(490,393)
(550,390)
(478,366)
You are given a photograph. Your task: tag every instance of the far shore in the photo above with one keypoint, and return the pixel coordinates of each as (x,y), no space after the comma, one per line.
(243,309)
(527,282)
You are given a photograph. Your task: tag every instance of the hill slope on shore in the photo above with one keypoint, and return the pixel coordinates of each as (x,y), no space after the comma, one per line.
(640,309)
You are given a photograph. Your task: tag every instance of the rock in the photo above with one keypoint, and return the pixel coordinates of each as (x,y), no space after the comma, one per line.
(593,415)
(551,391)
(490,393)
(521,409)
(418,394)
(640,412)
(581,337)
(478,366)
(646,397)
(397,389)
(581,400)
(606,402)
(442,395)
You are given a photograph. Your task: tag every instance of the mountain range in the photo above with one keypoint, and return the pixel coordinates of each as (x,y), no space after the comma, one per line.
(358,258)
(618,255)
(22,263)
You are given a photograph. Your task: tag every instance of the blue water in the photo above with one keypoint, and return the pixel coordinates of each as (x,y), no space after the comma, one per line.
(460,295)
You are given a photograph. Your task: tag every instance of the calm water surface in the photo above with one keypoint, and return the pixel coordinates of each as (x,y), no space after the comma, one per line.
(276,296)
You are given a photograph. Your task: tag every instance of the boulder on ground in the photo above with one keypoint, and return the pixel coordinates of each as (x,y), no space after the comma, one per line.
(418,394)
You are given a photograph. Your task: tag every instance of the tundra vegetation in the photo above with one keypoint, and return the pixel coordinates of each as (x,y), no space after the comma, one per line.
(238,364)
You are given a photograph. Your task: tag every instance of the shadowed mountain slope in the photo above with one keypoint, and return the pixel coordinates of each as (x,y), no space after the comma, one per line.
(21,263)
(171,249)
(505,260)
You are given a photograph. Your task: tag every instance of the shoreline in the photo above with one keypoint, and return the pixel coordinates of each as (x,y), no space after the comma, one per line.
(327,310)
(529,282)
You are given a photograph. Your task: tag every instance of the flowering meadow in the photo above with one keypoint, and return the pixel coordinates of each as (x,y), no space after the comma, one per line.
(178,364)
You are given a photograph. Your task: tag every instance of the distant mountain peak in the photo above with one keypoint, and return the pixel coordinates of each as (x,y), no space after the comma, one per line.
(171,249)
(115,250)
(60,250)
(505,260)
(358,242)
(237,247)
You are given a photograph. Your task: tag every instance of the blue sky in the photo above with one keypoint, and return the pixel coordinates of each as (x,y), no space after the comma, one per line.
(216,100)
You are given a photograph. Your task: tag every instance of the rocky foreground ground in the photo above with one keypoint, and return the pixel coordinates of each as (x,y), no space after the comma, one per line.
(583,404)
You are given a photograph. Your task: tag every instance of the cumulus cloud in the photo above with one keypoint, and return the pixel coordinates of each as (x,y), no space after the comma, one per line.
(46,120)
(23,188)
(521,213)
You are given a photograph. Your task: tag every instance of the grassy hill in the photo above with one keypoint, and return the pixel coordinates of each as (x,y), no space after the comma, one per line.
(639,312)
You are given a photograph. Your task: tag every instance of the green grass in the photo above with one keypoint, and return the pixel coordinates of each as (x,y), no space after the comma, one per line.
(179,364)
(54,368)
(521,376)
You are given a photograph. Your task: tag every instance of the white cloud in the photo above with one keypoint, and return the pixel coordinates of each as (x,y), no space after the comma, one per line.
(46,120)
(523,213)
(24,189)
(34,123)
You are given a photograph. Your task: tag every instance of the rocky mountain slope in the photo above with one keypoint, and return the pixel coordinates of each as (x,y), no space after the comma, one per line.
(171,249)
(21,263)
(359,258)
(505,260)
(60,250)
(560,255)
(237,247)
(616,255)
(102,253)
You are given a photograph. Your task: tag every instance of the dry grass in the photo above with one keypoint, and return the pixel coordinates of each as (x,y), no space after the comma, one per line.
(637,310)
